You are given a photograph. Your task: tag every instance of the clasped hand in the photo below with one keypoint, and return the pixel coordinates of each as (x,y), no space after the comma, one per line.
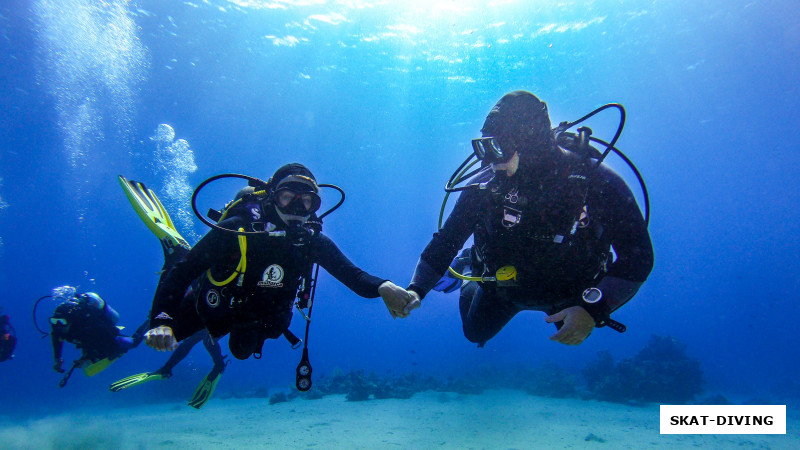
(398,301)
(161,339)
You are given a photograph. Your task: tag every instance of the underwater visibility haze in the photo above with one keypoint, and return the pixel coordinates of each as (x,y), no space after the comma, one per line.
(382,98)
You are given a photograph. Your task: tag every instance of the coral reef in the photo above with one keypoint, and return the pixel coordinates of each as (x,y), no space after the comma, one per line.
(549,380)
(660,373)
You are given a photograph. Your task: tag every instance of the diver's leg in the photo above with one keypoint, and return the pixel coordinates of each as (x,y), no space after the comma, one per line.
(213,348)
(483,313)
(171,258)
(209,383)
(177,356)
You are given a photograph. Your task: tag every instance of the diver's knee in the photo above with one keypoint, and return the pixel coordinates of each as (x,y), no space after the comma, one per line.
(474,334)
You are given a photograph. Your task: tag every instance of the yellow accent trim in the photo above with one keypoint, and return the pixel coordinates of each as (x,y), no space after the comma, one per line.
(204,391)
(240,269)
(506,273)
(134,380)
(462,277)
(95,368)
(224,216)
(150,210)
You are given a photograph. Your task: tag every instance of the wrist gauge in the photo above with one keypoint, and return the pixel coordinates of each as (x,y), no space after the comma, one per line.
(592,295)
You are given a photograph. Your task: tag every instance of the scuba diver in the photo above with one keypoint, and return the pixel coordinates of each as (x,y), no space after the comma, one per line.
(88,322)
(555,229)
(8,338)
(251,265)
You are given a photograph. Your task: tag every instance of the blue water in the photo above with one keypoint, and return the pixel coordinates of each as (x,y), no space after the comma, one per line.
(382,100)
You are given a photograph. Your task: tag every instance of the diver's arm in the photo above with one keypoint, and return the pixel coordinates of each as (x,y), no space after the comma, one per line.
(622,220)
(328,255)
(445,244)
(396,299)
(58,347)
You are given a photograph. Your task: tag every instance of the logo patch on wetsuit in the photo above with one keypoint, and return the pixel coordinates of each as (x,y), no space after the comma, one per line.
(255,213)
(272,277)
(212,298)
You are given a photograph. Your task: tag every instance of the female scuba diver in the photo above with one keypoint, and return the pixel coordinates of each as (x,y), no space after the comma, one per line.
(250,266)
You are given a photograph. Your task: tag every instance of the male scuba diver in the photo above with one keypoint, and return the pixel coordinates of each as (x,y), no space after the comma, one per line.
(8,338)
(554,230)
(88,322)
(251,265)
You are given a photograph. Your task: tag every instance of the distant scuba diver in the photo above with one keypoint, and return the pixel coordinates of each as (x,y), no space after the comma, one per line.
(248,270)
(8,338)
(88,322)
(555,230)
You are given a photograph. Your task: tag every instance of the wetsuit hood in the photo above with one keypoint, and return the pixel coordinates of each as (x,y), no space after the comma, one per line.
(297,178)
(520,123)
(293,169)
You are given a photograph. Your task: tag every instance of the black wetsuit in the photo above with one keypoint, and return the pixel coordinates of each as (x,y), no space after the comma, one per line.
(554,265)
(92,330)
(263,298)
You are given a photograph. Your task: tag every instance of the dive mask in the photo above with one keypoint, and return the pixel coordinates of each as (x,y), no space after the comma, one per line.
(487,149)
(292,202)
(57,321)
(296,195)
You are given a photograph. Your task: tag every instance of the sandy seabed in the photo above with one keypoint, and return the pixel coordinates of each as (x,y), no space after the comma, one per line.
(502,419)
